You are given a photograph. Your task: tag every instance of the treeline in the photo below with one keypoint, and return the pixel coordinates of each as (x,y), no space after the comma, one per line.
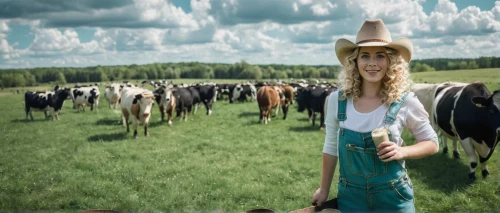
(441,64)
(194,70)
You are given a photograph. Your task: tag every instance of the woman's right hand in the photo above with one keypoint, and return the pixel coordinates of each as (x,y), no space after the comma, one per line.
(319,197)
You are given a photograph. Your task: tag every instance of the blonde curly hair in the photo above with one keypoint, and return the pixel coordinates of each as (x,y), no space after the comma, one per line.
(395,82)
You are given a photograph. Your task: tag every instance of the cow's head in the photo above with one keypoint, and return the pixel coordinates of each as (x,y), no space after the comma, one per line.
(492,104)
(142,104)
(164,92)
(115,91)
(237,92)
(303,94)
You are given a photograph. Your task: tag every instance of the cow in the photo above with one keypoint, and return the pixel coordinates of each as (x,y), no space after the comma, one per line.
(288,93)
(137,104)
(208,95)
(241,91)
(426,93)
(313,99)
(112,94)
(470,113)
(166,101)
(45,101)
(268,98)
(86,96)
(184,102)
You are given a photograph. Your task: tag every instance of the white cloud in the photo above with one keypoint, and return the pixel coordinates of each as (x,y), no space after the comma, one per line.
(260,31)
(50,41)
(7,52)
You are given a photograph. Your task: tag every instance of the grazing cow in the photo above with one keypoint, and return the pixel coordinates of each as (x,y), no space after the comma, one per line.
(112,94)
(86,96)
(208,95)
(470,113)
(288,92)
(137,104)
(184,102)
(166,101)
(45,101)
(268,98)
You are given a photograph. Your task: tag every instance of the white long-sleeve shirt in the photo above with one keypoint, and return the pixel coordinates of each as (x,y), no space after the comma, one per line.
(411,115)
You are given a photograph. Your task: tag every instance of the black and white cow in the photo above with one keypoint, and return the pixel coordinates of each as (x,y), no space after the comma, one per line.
(45,101)
(470,113)
(208,95)
(242,91)
(86,96)
(184,102)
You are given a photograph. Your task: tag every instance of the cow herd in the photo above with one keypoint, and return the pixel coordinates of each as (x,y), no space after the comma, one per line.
(463,112)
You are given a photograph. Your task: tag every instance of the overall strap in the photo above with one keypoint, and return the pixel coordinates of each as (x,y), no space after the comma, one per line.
(390,116)
(341,110)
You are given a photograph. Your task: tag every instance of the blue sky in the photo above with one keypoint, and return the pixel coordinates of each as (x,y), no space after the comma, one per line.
(36,33)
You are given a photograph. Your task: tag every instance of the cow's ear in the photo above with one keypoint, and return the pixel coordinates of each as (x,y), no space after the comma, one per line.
(480,101)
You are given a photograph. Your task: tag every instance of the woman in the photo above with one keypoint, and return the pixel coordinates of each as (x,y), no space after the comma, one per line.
(373,93)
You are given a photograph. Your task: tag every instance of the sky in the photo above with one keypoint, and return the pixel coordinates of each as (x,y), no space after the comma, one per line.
(61,33)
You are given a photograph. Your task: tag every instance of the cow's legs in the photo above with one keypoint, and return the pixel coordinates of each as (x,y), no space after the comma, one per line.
(162,113)
(135,121)
(322,121)
(456,155)
(445,143)
(206,107)
(170,112)
(196,106)
(485,171)
(471,155)
(285,111)
(45,113)
(185,114)
(310,114)
(314,114)
(28,113)
(146,133)
(261,114)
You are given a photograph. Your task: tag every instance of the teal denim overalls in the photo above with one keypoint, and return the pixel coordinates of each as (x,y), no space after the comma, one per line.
(367,184)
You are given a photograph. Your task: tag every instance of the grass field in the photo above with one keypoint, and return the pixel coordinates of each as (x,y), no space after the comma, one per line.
(226,163)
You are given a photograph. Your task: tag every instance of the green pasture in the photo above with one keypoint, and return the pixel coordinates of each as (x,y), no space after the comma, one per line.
(226,162)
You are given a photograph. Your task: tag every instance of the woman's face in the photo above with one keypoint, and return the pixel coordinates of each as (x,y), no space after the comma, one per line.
(372,63)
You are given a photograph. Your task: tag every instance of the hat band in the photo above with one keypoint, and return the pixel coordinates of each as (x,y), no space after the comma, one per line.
(372,40)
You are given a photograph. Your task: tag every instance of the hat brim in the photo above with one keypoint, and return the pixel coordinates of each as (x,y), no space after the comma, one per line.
(344,47)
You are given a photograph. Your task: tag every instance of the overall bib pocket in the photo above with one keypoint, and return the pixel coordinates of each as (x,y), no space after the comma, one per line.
(364,162)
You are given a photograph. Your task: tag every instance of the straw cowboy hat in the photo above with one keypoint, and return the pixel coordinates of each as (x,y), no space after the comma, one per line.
(373,33)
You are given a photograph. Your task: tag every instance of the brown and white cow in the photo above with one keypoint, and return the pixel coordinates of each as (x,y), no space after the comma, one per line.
(268,98)
(137,104)
(166,101)
(112,94)
(470,113)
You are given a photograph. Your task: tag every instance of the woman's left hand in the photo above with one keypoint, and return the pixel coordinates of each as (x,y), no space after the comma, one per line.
(389,151)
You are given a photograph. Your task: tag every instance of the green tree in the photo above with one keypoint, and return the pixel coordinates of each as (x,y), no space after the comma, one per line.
(60,79)
(297,74)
